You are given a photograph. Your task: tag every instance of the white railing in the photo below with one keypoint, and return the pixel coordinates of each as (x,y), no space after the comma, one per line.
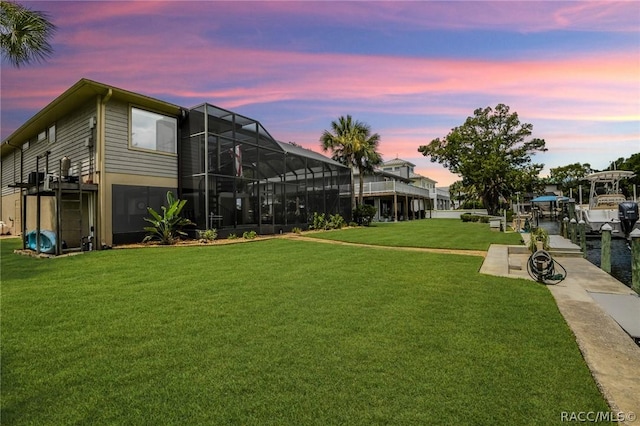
(442,193)
(373,188)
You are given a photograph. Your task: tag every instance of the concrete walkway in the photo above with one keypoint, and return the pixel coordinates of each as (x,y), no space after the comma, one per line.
(611,354)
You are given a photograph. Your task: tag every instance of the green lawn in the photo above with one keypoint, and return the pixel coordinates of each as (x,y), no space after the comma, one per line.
(281,332)
(431,233)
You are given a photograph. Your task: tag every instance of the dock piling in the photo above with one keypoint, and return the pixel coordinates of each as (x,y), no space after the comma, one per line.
(583,237)
(572,230)
(605,252)
(565,227)
(635,260)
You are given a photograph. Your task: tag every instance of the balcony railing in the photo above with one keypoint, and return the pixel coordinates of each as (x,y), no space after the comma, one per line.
(400,188)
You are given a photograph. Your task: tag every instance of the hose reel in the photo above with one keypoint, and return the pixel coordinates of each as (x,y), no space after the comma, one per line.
(544,269)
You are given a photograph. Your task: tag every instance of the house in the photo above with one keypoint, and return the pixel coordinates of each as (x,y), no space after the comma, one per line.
(89,164)
(398,193)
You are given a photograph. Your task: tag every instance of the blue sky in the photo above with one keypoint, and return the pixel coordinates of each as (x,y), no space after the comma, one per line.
(412,70)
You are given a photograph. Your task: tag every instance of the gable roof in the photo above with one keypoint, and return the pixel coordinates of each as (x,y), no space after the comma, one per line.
(74,97)
(398,162)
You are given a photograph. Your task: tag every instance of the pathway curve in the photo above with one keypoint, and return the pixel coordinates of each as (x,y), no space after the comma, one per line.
(480,253)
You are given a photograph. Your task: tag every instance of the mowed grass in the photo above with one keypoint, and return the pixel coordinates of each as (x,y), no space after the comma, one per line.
(430,233)
(281,332)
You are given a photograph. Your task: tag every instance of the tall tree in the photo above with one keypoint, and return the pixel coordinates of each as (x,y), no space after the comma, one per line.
(633,164)
(491,151)
(367,157)
(353,145)
(24,34)
(570,177)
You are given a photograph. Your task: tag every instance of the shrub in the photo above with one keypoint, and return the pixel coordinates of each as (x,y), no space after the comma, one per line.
(232,236)
(335,222)
(296,230)
(468,217)
(363,214)
(249,235)
(318,221)
(539,234)
(208,235)
(352,224)
(168,227)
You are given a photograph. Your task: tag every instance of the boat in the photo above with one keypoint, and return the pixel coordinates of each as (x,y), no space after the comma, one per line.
(47,241)
(605,199)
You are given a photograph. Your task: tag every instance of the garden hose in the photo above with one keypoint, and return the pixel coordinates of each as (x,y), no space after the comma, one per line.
(542,268)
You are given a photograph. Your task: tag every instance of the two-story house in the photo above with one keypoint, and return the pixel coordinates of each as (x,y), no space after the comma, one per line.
(89,164)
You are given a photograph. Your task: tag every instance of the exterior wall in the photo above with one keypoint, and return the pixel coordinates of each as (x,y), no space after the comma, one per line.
(124,165)
(71,133)
(11,212)
(121,158)
(11,203)
(129,179)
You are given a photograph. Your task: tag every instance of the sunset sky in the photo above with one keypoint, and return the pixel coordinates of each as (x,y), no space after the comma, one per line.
(411,70)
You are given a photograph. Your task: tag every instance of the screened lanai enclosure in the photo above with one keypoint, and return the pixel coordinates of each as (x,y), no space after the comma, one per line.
(235,176)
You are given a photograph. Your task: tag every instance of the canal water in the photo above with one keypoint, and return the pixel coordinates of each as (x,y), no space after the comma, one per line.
(620,252)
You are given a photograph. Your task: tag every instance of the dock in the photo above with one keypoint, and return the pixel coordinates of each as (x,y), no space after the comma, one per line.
(602,312)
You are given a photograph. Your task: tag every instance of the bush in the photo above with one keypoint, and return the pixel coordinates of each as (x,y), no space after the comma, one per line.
(232,236)
(168,227)
(318,221)
(335,222)
(249,235)
(296,230)
(363,214)
(468,217)
(509,215)
(539,234)
(472,205)
(208,235)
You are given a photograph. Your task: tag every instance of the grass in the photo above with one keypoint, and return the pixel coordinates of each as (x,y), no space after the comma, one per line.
(281,332)
(434,233)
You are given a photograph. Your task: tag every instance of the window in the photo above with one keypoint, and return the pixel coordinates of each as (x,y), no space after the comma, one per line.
(52,133)
(153,131)
(42,135)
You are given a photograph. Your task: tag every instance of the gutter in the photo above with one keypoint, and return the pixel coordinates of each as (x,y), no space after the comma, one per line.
(100,148)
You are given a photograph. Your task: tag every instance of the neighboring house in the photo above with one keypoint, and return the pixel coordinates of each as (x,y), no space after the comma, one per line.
(398,193)
(89,164)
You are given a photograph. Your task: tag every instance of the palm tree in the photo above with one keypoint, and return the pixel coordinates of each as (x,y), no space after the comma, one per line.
(24,34)
(367,157)
(353,145)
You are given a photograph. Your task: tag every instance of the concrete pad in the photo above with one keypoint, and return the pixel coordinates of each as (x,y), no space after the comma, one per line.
(623,308)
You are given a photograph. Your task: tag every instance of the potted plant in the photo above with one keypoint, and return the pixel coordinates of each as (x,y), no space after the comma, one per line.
(539,240)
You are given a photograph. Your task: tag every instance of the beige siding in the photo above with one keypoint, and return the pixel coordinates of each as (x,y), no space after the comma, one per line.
(10,172)
(71,133)
(119,158)
(11,213)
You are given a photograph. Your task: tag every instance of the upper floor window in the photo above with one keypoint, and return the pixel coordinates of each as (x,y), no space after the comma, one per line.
(52,133)
(153,131)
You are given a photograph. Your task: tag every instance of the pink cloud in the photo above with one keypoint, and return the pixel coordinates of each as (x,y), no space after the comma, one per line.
(108,42)
(293,75)
(436,15)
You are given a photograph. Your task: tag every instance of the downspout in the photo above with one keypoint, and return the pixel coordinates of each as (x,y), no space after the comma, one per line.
(22,224)
(100,177)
